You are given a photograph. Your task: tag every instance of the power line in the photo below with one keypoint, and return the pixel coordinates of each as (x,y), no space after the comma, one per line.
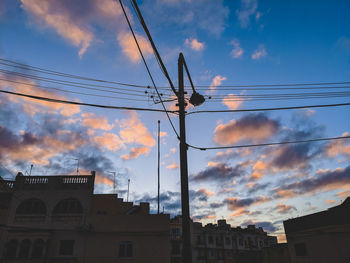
(74,84)
(68,91)
(148,70)
(275,85)
(281,99)
(271,109)
(83,104)
(266,144)
(56,73)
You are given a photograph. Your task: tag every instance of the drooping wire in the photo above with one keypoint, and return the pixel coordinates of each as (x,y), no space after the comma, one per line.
(148,70)
(82,103)
(266,144)
(270,109)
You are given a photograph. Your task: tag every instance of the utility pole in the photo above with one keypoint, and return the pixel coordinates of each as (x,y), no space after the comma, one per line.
(158,163)
(186,231)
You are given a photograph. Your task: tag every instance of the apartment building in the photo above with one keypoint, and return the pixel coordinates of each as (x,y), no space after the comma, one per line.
(220,242)
(60,219)
(320,237)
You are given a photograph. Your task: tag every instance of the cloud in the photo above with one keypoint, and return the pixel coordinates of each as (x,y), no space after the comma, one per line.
(217,81)
(266,225)
(284,209)
(252,127)
(194,44)
(234,203)
(237,51)
(219,172)
(109,141)
(57,15)
(129,47)
(172,166)
(248,9)
(338,147)
(204,216)
(92,121)
(232,101)
(322,182)
(259,53)
(135,152)
(32,106)
(132,130)
(206,15)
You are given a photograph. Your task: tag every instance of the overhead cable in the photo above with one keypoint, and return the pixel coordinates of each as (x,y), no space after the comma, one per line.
(83,104)
(148,70)
(271,109)
(266,144)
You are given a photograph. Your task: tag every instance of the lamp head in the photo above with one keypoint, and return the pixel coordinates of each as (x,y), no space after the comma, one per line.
(196,99)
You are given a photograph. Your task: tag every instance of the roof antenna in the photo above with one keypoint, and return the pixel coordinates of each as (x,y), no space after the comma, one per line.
(77,159)
(114,173)
(127,197)
(31,168)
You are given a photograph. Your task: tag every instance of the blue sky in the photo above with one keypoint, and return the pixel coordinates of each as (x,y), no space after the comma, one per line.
(225,43)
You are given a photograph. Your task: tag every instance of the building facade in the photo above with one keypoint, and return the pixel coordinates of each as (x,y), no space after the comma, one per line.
(221,243)
(321,237)
(60,219)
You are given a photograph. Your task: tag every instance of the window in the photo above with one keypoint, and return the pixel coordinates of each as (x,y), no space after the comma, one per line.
(211,253)
(240,242)
(175,232)
(228,241)
(38,249)
(24,249)
(229,253)
(125,249)
(11,249)
(66,248)
(300,249)
(175,247)
(68,206)
(210,239)
(31,206)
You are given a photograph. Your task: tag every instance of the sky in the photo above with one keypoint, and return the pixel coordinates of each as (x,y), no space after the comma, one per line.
(233,43)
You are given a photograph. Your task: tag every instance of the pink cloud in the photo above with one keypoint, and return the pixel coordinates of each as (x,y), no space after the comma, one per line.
(259,53)
(96,122)
(135,152)
(194,44)
(232,101)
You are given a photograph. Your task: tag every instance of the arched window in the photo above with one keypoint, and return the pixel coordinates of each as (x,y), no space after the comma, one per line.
(11,249)
(31,206)
(24,249)
(68,206)
(38,249)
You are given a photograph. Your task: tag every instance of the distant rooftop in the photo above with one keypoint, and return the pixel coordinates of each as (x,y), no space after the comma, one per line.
(338,215)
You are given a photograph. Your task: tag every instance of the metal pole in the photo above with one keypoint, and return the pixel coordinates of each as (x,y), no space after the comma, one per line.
(186,231)
(127,197)
(158,163)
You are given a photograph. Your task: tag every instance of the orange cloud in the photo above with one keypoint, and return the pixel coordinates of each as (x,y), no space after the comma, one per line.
(206,192)
(172,166)
(330,201)
(217,81)
(129,48)
(240,212)
(232,101)
(254,127)
(32,106)
(109,141)
(132,130)
(336,148)
(49,14)
(92,121)
(194,44)
(283,208)
(135,152)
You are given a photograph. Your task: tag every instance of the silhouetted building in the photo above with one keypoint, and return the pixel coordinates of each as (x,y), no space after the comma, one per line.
(221,242)
(322,237)
(59,219)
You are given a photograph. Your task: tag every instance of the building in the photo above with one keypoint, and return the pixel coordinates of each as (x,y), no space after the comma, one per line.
(320,237)
(221,242)
(60,219)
